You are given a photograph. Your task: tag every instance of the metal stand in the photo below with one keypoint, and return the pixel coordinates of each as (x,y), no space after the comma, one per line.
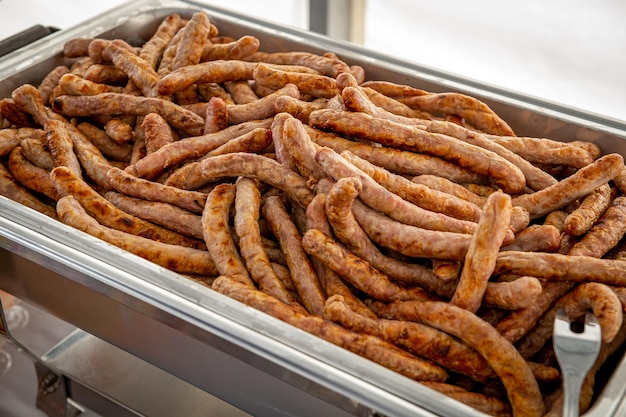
(110,381)
(52,386)
(83,372)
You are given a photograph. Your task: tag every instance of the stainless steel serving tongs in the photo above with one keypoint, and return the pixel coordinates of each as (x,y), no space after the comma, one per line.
(576,353)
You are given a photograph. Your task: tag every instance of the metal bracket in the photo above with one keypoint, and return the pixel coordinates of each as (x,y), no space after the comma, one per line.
(53,388)
(53,394)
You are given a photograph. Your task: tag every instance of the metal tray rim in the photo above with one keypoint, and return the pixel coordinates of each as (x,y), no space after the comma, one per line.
(9,229)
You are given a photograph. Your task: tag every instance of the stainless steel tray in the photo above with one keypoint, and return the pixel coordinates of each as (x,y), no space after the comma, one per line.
(253,361)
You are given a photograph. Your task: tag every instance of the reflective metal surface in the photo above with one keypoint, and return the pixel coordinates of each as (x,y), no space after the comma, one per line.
(253,361)
(576,353)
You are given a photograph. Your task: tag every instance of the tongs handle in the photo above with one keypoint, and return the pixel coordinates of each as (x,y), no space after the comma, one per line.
(572,385)
(576,354)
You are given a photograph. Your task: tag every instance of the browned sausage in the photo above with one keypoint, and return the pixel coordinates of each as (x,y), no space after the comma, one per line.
(555,266)
(599,298)
(517,323)
(113,103)
(368,346)
(105,144)
(50,82)
(247,209)
(482,252)
(31,176)
(536,238)
(395,160)
(521,386)
(157,132)
(325,65)
(261,108)
(102,210)
(120,129)
(389,133)
(307,83)
(339,202)
(195,36)
(302,273)
(545,151)
(152,50)
(170,155)
(299,109)
(237,49)
(470,109)
(14,114)
(90,157)
(417,194)
(216,117)
(10,138)
(580,220)
(379,198)
(74,85)
(37,153)
(449,187)
(125,183)
(241,91)
(216,232)
(355,99)
(61,146)
(584,181)
(12,189)
(331,283)
(174,257)
(410,240)
(190,177)
(421,340)
(512,295)
(357,271)
(212,72)
(489,405)
(140,72)
(260,167)
(302,149)
(606,233)
(536,179)
(163,214)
